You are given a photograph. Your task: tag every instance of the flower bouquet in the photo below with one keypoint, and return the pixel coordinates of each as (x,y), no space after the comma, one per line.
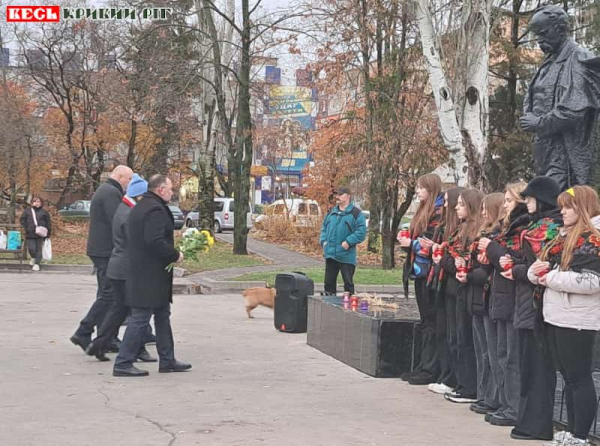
(192,244)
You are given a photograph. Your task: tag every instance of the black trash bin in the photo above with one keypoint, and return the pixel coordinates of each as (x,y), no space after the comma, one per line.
(291,302)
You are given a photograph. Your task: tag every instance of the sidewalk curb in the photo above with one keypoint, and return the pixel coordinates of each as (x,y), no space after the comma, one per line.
(181,286)
(211,285)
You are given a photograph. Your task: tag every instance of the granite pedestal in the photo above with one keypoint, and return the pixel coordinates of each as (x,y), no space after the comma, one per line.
(381,342)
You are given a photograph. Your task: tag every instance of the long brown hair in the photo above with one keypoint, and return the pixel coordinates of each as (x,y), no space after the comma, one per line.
(451,219)
(469,227)
(494,212)
(514,189)
(584,201)
(433,184)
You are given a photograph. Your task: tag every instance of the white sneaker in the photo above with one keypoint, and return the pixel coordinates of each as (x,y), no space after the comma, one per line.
(574,441)
(32,262)
(35,267)
(440,388)
(560,439)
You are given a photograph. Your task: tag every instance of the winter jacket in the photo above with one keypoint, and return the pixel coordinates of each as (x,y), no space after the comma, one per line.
(151,246)
(417,266)
(502,295)
(118,265)
(104,204)
(450,284)
(477,292)
(572,298)
(343,226)
(525,305)
(43,219)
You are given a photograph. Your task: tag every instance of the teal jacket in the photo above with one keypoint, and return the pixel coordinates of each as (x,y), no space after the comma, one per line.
(342,226)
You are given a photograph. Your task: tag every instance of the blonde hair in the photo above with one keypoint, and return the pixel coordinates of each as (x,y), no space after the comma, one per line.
(584,201)
(514,190)
(472,199)
(493,210)
(433,184)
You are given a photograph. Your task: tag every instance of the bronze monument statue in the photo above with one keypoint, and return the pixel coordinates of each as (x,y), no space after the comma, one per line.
(562,102)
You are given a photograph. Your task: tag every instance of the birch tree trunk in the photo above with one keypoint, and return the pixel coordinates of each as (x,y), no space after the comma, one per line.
(473,106)
(449,127)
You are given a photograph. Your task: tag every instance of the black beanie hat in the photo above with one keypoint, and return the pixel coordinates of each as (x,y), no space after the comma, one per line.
(543,189)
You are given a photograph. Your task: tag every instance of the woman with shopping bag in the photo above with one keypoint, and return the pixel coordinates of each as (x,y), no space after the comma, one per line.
(37,225)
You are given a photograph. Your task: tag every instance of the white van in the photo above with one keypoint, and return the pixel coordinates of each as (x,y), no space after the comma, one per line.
(223,218)
(300,211)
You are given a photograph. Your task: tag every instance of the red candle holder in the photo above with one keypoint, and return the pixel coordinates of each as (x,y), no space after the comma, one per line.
(508,266)
(544,272)
(354,301)
(404,233)
(439,252)
(462,269)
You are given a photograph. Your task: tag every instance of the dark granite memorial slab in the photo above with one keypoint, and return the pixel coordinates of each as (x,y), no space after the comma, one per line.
(381,342)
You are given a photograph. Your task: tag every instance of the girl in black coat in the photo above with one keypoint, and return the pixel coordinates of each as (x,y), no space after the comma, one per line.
(484,332)
(437,284)
(418,246)
(35,241)
(469,213)
(502,305)
(538,379)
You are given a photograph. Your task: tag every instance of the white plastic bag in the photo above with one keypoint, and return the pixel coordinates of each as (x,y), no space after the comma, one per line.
(2,240)
(47,250)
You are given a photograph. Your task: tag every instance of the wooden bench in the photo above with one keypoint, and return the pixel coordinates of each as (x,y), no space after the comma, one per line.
(17,254)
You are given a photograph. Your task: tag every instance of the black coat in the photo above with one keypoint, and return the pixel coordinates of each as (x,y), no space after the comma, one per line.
(525,311)
(502,296)
(450,284)
(104,204)
(151,249)
(43,219)
(118,265)
(477,296)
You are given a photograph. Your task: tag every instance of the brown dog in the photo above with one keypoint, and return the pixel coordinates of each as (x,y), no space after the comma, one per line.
(253,297)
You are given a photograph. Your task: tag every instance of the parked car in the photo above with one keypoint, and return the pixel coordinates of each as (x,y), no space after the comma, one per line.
(223,216)
(78,209)
(177,216)
(300,211)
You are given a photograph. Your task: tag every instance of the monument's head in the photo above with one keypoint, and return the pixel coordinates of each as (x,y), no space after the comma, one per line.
(550,24)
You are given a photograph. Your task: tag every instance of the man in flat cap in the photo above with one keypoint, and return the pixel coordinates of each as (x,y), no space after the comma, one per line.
(343,228)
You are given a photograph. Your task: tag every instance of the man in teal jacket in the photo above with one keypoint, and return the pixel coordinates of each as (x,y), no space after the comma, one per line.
(343,228)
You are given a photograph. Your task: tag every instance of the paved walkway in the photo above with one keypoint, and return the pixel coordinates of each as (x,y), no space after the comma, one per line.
(250,385)
(281,258)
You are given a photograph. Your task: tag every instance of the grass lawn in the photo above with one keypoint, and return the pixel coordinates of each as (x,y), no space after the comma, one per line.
(220,256)
(362,276)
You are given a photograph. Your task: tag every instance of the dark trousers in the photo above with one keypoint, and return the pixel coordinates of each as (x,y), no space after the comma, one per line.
(572,352)
(429,362)
(452,335)
(538,381)
(115,317)
(104,299)
(486,386)
(466,365)
(447,375)
(491,335)
(35,246)
(332,268)
(508,360)
(135,333)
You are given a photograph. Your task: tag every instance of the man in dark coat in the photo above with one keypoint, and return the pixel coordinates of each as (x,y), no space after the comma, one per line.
(150,283)
(99,247)
(117,272)
(562,102)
